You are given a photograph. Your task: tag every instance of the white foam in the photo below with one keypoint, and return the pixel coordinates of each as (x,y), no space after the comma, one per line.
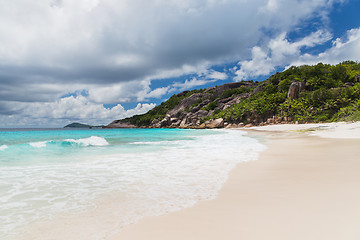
(38,144)
(3,147)
(154,183)
(326,130)
(90,141)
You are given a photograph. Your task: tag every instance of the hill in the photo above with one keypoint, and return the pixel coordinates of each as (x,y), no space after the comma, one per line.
(319,93)
(80,125)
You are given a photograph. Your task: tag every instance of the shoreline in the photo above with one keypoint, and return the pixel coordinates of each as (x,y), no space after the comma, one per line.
(183,173)
(301,187)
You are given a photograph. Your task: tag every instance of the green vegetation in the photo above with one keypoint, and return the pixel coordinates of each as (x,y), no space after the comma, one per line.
(232,92)
(330,93)
(326,97)
(258,106)
(211,106)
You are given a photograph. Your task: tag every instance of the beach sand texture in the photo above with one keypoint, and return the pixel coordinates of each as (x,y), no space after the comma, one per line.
(302,187)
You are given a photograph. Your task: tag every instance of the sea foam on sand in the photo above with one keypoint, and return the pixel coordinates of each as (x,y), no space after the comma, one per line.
(339,130)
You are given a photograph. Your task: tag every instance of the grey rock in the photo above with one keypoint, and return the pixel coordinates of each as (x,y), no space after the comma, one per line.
(183,123)
(201,113)
(294,90)
(173,120)
(217,123)
(186,103)
(165,122)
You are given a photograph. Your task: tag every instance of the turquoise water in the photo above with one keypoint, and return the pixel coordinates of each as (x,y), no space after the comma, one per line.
(47,172)
(28,147)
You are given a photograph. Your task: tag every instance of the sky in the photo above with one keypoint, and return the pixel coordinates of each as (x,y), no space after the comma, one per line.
(94,61)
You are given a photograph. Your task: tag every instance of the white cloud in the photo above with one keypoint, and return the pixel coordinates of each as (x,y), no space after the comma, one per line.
(215,75)
(202,78)
(345,48)
(126,92)
(281,53)
(148,93)
(69,109)
(271,6)
(119,92)
(188,84)
(278,52)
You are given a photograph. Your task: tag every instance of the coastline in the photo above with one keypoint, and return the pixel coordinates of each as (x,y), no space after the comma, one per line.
(302,187)
(171,175)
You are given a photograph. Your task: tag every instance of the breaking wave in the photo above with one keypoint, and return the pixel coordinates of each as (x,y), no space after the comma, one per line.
(90,141)
(84,142)
(3,147)
(38,144)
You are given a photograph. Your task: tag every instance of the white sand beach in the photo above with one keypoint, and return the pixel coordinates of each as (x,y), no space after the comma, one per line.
(304,186)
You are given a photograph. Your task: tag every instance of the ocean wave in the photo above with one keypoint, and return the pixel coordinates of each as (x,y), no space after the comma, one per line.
(85,142)
(90,141)
(38,144)
(3,147)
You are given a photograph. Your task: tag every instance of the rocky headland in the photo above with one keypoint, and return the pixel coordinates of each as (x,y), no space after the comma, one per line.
(320,93)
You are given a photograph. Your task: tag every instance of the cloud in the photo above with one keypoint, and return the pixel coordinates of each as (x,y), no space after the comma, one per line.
(278,52)
(68,109)
(147,93)
(115,49)
(281,53)
(189,84)
(345,48)
(109,42)
(215,75)
(137,91)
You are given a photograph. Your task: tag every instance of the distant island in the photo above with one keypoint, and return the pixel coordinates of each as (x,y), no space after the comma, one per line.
(304,94)
(80,125)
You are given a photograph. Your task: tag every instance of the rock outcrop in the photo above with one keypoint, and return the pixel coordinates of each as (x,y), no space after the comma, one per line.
(217,123)
(295,89)
(194,110)
(191,111)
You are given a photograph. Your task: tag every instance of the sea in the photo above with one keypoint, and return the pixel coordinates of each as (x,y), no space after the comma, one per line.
(45,173)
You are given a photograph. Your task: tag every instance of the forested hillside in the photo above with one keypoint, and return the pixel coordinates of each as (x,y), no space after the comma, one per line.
(319,93)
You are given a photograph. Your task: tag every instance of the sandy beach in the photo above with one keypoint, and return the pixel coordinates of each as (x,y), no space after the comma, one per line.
(302,187)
